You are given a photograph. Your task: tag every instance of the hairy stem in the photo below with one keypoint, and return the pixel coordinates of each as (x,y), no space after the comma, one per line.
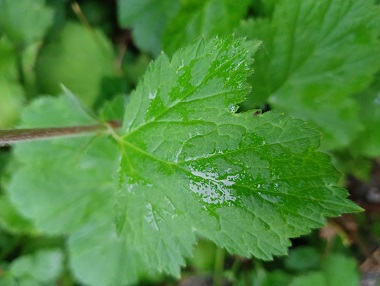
(8,137)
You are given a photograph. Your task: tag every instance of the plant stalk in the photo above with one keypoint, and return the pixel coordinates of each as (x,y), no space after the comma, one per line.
(8,137)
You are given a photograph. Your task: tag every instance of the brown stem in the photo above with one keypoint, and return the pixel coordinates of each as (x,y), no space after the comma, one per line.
(8,137)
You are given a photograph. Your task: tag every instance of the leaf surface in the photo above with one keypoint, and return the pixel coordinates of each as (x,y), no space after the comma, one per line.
(148,19)
(11,92)
(24,21)
(11,220)
(192,165)
(189,165)
(336,270)
(80,59)
(42,267)
(206,18)
(367,142)
(99,257)
(316,55)
(63,184)
(66,186)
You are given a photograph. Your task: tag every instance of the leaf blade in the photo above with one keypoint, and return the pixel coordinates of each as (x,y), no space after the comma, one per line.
(192,165)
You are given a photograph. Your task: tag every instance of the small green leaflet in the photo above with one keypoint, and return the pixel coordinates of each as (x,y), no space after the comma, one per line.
(192,165)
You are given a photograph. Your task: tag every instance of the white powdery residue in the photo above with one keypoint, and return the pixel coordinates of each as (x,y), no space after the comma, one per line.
(227,182)
(194,158)
(152,95)
(207,176)
(212,190)
(149,217)
(230,180)
(233,108)
(181,66)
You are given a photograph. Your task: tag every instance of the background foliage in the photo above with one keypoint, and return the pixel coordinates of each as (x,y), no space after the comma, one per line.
(318,61)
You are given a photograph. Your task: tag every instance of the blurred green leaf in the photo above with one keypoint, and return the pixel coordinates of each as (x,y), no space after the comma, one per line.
(99,257)
(10,219)
(205,18)
(11,92)
(8,59)
(68,190)
(337,270)
(316,55)
(147,19)
(11,102)
(79,59)
(134,67)
(66,187)
(41,268)
(367,142)
(203,258)
(114,109)
(302,258)
(24,21)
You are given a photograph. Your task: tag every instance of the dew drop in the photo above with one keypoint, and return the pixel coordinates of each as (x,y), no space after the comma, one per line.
(152,95)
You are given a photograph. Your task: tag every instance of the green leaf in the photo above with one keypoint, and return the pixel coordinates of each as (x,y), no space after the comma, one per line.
(367,142)
(11,93)
(8,60)
(191,165)
(24,21)
(302,258)
(62,185)
(147,18)
(11,102)
(65,186)
(79,59)
(336,270)
(114,109)
(99,257)
(10,219)
(44,266)
(315,56)
(204,18)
